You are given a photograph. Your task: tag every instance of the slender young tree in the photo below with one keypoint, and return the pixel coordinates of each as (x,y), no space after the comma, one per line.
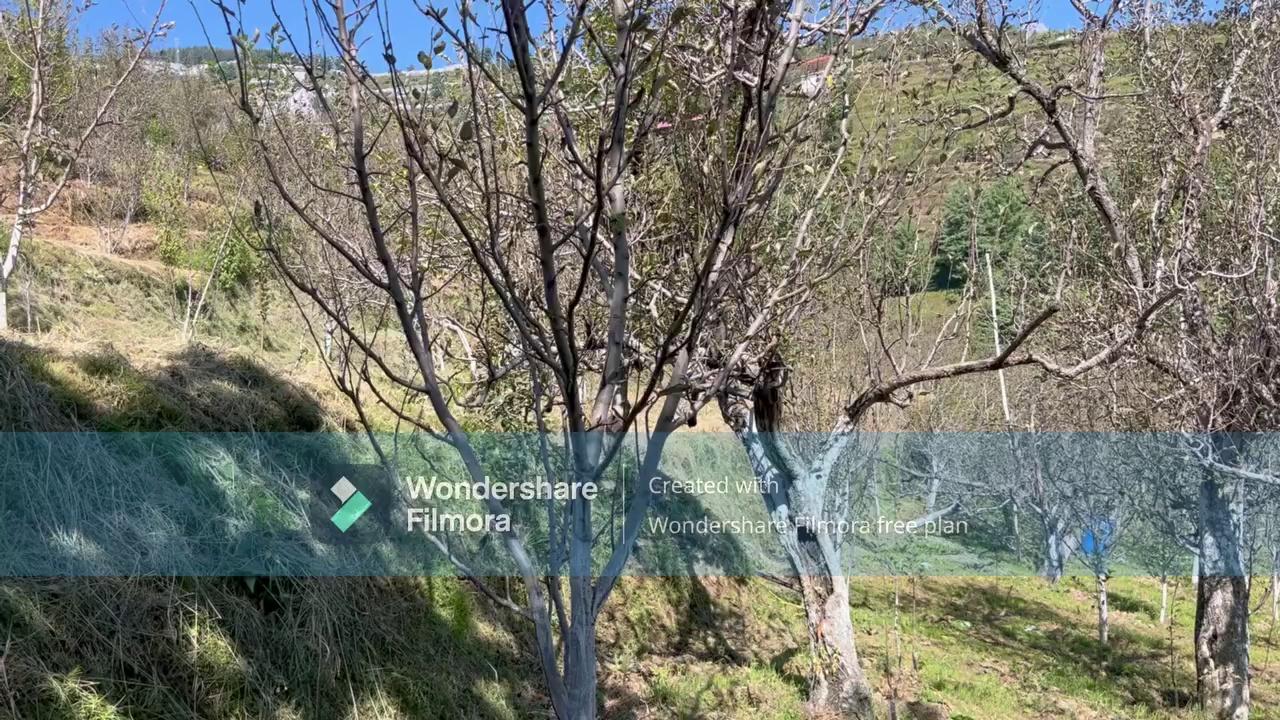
(47,136)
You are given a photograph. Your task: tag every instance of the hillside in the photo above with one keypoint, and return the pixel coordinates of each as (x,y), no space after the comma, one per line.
(387,649)
(640,361)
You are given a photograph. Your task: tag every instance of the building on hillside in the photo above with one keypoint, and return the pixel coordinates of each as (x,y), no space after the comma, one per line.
(810,75)
(165,67)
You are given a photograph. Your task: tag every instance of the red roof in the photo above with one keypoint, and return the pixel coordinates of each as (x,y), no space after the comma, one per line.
(815,64)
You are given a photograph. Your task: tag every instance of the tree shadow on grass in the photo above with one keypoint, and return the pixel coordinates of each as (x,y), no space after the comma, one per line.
(204,647)
(1124,602)
(689,564)
(1133,668)
(260,645)
(196,390)
(209,647)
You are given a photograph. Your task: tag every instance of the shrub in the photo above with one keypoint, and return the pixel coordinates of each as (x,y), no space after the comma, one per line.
(995,219)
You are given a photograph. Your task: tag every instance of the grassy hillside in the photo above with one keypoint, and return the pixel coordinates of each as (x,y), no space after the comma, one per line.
(99,346)
(107,356)
(401,649)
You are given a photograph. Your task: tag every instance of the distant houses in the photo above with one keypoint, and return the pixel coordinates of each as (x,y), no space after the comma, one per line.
(166,67)
(810,75)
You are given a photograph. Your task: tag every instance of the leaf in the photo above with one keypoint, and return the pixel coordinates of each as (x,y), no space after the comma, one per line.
(424,59)
(468,130)
(453,108)
(439,48)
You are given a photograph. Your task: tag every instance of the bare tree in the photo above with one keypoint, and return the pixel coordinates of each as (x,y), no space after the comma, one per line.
(1204,120)
(48,139)
(898,361)
(530,180)
(1164,536)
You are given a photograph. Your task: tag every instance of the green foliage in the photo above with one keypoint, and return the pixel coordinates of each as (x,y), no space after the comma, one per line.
(231,251)
(15,76)
(996,220)
(241,262)
(162,202)
(158,133)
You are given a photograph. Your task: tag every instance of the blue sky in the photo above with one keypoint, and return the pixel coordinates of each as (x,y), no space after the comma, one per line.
(409,32)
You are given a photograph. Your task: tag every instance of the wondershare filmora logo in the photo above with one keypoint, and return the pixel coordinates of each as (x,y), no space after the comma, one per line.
(354,504)
(350,504)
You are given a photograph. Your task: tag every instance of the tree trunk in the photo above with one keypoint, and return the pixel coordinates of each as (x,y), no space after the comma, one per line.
(1222,605)
(580,670)
(1275,596)
(1057,549)
(9,263)
(1164,599)
(1015,530)
(1275,584)
(838,684)
(1104,619)
(580,641)
(931,497)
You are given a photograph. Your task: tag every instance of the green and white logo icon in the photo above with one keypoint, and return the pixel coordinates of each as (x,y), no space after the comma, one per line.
(354,504)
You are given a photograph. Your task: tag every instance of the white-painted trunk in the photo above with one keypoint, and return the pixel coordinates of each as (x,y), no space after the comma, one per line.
(1222,605)
(1014,525)
(580,669)
(1104,615)
(10,261)
(1274,591)
(1164,600)
(1275,596)
(931,497)
(1057,549)
(838,686)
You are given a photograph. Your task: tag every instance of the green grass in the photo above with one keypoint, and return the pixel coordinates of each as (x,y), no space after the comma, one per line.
(677,647)
(1018,647)
(692,692)
(390,649)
